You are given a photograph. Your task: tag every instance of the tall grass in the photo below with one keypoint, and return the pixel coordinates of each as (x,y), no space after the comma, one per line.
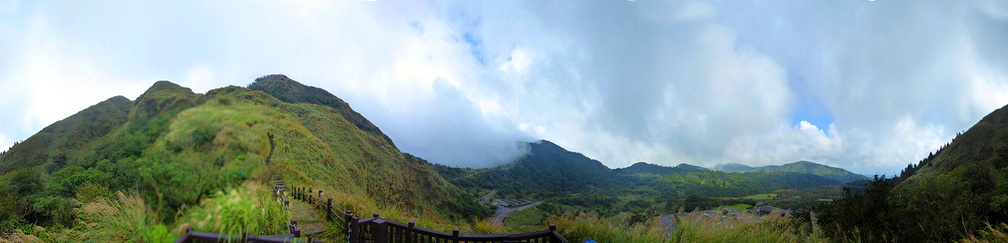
(578,227)
(248,208)
(992,234)
(126,218)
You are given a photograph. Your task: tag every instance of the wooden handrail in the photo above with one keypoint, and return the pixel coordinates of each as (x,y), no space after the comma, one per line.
(383,231)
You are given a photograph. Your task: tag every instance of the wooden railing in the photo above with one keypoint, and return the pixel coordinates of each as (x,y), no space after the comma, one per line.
(379,230)
(193,236)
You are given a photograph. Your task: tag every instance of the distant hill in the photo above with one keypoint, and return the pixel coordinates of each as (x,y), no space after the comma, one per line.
(733,167)
(689,167)
(569,179)
(547,170)
(806,167)
(647,168)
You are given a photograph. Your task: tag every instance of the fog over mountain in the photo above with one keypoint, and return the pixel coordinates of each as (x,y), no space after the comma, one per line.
(864,85)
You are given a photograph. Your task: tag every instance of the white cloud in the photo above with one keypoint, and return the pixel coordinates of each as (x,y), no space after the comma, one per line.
(46,83)
(5,143)
(665,82)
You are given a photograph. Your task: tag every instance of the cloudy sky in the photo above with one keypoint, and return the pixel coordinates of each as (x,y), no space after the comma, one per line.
(866,85)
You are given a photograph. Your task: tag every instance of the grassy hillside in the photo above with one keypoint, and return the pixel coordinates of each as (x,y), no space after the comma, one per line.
(65,139)
(806,167)
(291,91)
(174,153)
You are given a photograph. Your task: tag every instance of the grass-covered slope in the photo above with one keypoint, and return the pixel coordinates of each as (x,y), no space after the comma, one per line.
(177,150)
(806,167)
(291,91)
(65,139)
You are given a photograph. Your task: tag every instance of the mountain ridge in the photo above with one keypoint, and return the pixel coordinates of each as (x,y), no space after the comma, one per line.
(808,167)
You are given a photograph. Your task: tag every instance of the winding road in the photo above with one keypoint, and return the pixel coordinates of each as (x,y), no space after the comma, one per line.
(502,212)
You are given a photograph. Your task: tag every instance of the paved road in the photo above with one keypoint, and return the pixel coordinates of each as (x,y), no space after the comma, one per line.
(486,198)
(502,212)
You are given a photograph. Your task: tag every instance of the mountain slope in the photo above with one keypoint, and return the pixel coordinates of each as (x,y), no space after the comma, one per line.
(177,148)
(66,138)
(806,167)
(290,91)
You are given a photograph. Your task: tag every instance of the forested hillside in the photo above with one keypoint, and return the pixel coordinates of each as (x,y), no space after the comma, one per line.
(955,192)
(546,171)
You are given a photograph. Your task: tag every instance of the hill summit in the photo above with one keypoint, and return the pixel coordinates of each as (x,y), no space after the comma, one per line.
(806,167)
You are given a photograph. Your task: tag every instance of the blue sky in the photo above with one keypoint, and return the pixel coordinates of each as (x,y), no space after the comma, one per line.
(865,85)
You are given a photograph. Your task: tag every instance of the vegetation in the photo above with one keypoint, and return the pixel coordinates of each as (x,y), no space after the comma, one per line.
(128,171)
(957,192)
(578,227)
(174,158)
(805,167)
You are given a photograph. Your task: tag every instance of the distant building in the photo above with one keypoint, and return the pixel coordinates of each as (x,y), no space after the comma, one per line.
(767,209)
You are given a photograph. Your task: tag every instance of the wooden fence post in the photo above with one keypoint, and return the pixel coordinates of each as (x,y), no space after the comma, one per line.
(328,209)
(455,235)
(552,228)
(355,236)
(379,230)
(410,232)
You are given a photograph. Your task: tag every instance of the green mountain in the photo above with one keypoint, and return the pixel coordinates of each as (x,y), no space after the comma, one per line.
(733,167)
(177,149)
(689,167)
(806,167)
(960,189)
(646,168)
(546,171)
